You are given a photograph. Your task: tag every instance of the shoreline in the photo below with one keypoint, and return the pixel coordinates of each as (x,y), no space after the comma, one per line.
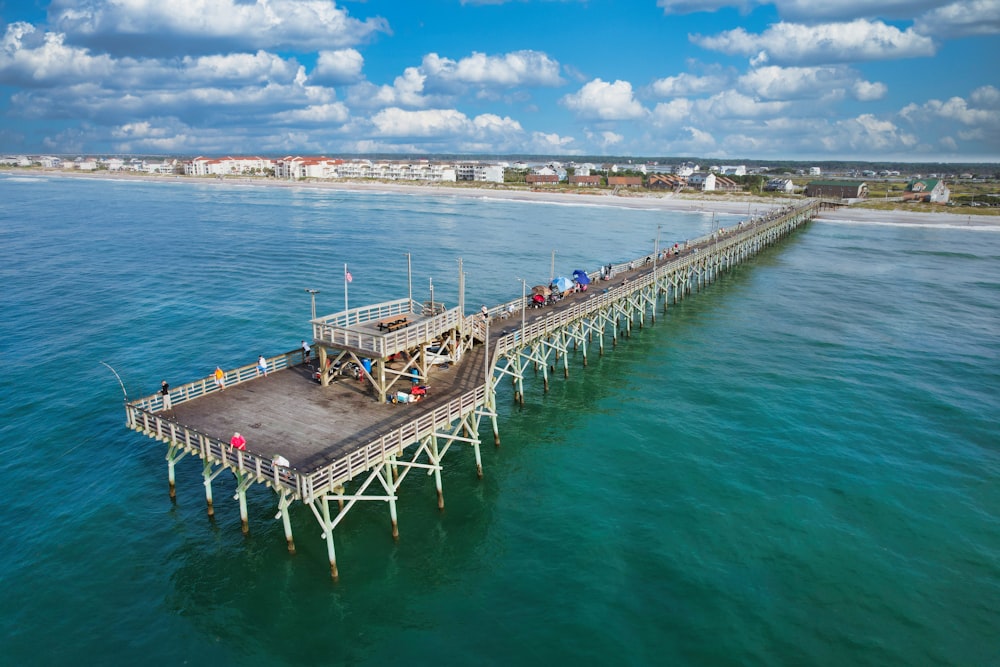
(730,205)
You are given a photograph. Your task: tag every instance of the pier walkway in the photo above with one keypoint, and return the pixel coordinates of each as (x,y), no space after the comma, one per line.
(344,439)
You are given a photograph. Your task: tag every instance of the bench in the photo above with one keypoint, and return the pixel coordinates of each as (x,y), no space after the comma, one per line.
(393,324)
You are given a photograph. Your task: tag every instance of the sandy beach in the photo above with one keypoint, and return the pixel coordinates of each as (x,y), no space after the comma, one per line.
(735,204)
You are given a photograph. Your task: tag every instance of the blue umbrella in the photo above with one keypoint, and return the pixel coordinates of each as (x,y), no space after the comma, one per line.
(562,284)
(581,277)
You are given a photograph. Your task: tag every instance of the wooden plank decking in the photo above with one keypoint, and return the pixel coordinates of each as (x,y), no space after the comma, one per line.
(290,414)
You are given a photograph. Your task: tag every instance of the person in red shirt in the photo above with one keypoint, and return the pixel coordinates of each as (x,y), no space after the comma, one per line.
(238,441)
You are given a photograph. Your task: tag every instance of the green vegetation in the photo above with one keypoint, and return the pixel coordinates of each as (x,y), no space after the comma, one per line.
(514,175)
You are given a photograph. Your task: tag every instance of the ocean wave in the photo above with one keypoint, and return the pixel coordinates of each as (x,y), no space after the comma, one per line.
(937,224)
(24,179)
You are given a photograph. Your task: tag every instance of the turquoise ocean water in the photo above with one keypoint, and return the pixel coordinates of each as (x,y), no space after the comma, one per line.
(798,466)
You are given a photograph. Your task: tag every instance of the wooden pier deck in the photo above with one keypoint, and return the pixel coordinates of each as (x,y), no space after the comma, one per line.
(288,413)
(312,442)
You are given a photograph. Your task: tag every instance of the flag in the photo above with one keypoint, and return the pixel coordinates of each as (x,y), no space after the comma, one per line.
(347,275)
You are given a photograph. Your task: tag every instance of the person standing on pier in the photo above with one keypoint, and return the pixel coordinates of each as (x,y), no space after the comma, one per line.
(262,365)
(486,312)
(306,351)
(220,378)
(165,392)
(238,441)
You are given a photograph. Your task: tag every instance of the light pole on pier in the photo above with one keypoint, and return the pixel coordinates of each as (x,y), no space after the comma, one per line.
(656,252)
(313,293)
(486,360)
(409,281)
(524,303)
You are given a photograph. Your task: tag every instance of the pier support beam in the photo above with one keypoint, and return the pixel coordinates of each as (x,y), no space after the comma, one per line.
(243,482)
(390,488)
(436,460)
(479,460)
(174,454)
(328,536)
(209,475)
(284,503)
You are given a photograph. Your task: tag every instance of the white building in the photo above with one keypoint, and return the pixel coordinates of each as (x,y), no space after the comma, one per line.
(480,173)
(685,169)
(702,180)
(815,171)
(733,170)
(488,173)
(290,168)
(165,167)
(227,166)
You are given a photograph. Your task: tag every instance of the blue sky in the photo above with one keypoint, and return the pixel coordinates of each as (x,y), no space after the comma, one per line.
(757,79)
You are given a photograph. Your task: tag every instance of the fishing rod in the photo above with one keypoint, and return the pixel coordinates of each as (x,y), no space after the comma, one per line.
(122,384)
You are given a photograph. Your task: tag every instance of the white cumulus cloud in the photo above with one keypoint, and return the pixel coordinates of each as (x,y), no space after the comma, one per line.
(132,25)
(334,112)
(854,41)
(688,84)
(790,83)
(986,96)
(692,6)
(405,123)
(550,143)
(237,68)
(959,19)
(958,110)
(605,101)
(517,68)
(406,90)
(337,67)
(396,122)
(32,58)
(673,112)
(807,10)
(869,91)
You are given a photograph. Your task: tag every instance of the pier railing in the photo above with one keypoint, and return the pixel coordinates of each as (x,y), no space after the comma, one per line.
(334,331)
(361,460)
(714,241)
(371,313)
(207,385)
(261,467)
(510,310)
(303,485)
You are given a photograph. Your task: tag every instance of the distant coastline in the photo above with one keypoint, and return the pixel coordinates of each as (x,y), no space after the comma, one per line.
(723,204)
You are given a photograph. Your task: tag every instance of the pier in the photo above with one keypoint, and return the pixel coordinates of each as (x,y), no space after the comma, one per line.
(348,426)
